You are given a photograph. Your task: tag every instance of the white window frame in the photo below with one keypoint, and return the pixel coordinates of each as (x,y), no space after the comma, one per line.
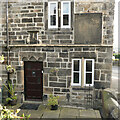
(65,26)
(88,72)
(72,83)
(51,26)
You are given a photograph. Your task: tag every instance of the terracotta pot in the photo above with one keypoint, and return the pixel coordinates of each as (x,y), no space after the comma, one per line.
(54,107)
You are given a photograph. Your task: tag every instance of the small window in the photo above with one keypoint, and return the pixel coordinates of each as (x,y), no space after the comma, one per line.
(76,72)
(65,14)
(52,15)
(33,37)
(89,72)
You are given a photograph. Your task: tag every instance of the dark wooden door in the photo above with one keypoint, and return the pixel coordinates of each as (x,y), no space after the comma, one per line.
(33,80)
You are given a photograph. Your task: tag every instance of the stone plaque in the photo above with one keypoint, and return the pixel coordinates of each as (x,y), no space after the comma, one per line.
(88,28)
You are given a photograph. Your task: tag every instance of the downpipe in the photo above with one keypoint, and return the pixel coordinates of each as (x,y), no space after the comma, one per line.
(8,48)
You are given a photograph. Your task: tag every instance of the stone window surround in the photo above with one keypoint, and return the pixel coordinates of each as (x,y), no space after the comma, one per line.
(82,73)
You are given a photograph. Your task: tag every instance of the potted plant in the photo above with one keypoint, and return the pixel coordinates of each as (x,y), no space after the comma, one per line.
(1,59)
(12,100)
(10,69)
(53,102)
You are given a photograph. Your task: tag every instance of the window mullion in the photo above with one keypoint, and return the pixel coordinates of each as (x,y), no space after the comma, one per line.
(80,72)
(61,14)
(93,72)
(56,15)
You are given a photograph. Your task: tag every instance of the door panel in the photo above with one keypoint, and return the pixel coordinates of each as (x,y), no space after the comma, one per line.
(33,80)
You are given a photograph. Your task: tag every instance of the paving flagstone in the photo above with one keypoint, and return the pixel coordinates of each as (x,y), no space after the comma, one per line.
(88,113)
(97,114)
(23,111)
(69,113)
(35,114)
(62,112)
(51,113)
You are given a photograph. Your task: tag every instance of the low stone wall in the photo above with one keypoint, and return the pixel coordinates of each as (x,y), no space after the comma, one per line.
(110,102)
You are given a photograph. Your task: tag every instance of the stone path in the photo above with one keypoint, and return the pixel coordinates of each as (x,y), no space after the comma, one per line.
(62,112)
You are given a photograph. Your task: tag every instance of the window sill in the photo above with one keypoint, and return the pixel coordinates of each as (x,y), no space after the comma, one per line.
(60,29)
(82,88)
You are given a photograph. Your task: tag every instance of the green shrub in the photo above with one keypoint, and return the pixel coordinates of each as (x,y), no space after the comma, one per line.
(53,100)
(11,90)
(117,56)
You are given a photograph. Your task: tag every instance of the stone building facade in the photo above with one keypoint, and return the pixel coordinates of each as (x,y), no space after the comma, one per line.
(69,59)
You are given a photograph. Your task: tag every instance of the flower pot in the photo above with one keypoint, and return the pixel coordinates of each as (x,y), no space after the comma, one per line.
(13,102)
(54,107)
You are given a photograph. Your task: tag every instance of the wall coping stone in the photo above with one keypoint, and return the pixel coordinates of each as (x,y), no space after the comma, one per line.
(114,92)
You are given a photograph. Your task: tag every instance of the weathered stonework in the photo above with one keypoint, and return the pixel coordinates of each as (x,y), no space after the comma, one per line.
(56,48)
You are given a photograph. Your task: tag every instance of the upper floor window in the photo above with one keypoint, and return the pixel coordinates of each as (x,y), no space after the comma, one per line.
(54,11)
(65,14)
(52,14)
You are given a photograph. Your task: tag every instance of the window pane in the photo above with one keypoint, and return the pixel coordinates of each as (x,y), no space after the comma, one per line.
(65,7)
(89,66)
(53,20)
(88,78)
(76,78)
(65,19)
(76,65)
(53,8)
